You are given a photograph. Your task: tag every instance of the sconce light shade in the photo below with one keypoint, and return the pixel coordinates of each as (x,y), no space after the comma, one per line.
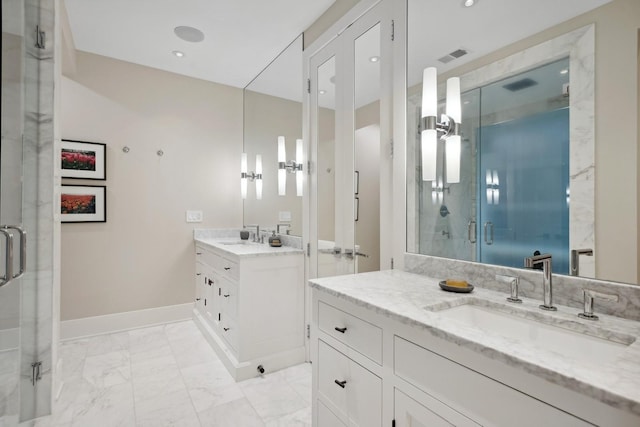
(299,160)
(429,137)
(454,111)
(453,159)
(282,170)
(258,177)
(243,175)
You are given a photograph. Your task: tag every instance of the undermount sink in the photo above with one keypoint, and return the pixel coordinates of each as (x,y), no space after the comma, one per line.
(235,242)
(540,332)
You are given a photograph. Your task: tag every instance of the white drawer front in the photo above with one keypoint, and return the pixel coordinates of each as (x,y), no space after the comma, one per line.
(229,330)
(326,418)
(483,399)
(359,398)
(229,298)
(358,334)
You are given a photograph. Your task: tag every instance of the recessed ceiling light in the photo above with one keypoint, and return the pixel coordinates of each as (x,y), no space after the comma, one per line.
(178,53)
(374,59)
(189,34)
(565,71)
(469,3)
(322,92)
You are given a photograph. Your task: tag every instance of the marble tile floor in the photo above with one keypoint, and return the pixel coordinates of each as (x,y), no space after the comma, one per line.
(169,376)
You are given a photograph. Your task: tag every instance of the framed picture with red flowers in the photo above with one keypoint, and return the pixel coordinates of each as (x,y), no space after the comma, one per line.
(83,203)
(83,160)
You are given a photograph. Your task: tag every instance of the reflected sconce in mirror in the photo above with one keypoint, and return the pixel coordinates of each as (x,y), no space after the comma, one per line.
(437,191)
(448,129)
(291,166)
(493,187)
(252,176)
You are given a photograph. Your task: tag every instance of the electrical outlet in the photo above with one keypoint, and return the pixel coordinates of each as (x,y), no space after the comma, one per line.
(284,216)
(194,216)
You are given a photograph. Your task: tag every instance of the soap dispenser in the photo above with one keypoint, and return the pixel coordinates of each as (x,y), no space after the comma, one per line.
(274,240)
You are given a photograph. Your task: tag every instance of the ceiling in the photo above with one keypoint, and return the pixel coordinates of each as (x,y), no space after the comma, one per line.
(438,27)
(240,36)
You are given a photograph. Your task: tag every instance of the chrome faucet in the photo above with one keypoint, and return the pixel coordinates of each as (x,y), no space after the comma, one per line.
(575,259)
(589,295)
(545,260)
(256,236)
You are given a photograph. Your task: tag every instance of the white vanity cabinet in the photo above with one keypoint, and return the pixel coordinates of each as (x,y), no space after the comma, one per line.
(394,371)
(251,308)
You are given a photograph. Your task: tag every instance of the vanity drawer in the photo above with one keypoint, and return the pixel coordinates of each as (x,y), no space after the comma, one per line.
(358,334)
(481,398)
(219,263)
(359,398)
(229,331)
(229,298)
(326,418)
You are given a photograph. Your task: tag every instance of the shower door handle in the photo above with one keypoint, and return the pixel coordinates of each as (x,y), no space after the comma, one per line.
(471,231)
(488,225)
(23,248)
(8,257)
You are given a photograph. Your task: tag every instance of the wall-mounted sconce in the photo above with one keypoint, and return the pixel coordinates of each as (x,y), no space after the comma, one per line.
(291,166)
(253,176)
(493,187)
(437,191)
(448,128)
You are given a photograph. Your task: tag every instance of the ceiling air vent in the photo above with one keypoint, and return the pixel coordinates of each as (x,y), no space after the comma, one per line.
(453,55)
(520,84)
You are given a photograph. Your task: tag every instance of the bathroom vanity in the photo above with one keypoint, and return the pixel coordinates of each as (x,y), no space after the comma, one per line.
(392,345)
(250,303)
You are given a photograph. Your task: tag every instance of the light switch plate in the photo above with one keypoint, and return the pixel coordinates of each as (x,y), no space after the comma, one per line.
(194,216)
(284,216)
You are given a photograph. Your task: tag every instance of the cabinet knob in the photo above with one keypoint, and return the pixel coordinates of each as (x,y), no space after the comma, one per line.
(198,253)
(341,383)
(227,268)
(226,296)
(198,274)
(197,299)
(341,330)
(225,329)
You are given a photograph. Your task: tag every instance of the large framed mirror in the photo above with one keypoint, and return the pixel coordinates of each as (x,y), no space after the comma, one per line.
(535,164)
(273,109)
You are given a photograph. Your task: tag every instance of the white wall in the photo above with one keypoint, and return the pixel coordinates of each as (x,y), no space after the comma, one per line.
(143,256)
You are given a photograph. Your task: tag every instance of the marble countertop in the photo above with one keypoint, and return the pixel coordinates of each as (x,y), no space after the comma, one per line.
(244,248)
(415,300)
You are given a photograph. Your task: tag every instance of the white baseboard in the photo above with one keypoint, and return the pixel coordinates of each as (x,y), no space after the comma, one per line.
(98,325)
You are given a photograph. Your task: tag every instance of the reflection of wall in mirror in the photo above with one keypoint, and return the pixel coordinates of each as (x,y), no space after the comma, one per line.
(267,117)
(326,175)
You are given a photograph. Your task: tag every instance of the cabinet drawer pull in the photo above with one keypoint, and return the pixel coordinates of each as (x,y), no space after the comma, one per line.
(225,329)
(198,253)
(341,330)
(341,383)
(198,274)
(226,296)
(211,282)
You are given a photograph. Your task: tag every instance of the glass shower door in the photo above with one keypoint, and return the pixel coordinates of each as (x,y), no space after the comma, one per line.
(523,168)
(23,395)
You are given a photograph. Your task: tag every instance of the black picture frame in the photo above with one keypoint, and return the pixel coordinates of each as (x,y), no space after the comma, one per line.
(83,160)
(83,203)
